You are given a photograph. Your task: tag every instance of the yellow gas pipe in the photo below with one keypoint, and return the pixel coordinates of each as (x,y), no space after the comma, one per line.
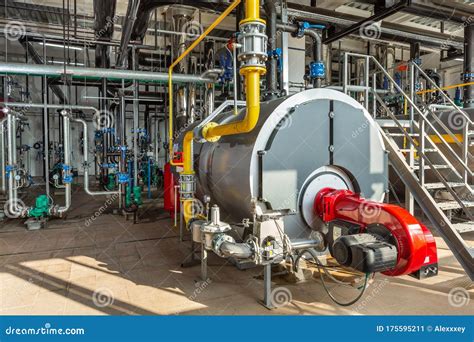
(252,75)
(170,77)
(212,132)
(189,136)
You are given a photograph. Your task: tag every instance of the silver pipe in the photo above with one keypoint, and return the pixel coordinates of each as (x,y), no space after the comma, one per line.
(127,29)
(51,106)
(67,162)
(13,203)
(136,109)
(46,135)
(305,244)
(113,74)
(426,40)
(2,153)
(85,147)
(236,250)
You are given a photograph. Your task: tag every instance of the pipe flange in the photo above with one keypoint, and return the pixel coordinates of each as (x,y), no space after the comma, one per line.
(206,128)
(218,241)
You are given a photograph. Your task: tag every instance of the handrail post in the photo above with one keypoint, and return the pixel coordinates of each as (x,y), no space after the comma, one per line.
(465,150)
(367,81)
(422,149)
(344,74)
(374,98)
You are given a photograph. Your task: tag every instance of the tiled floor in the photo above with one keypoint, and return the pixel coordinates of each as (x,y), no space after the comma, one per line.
(114,267)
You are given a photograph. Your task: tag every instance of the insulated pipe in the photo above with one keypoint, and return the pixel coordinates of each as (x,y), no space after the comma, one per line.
(11,144)
(127,31)
(272,75)
(236,250)
(67,162)
(93,73)
(85,149)
(2,153)
(51,106)
(317,44)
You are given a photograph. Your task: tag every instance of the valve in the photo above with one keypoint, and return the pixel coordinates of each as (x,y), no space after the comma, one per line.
(304,25)
(317,69)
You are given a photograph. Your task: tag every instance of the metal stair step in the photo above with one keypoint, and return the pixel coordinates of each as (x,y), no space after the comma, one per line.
(405,150)
(438,167)
(402,134)
(464,227)
(450,205)
(434,186)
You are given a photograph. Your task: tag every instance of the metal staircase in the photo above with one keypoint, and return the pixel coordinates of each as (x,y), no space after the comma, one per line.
(430,159)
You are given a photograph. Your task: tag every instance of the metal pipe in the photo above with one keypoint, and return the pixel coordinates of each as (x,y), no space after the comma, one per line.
(172,77)
(67,162)
(236,250)
(94,73)
(305,244)
(389,30)
(13,203)
(317,44)
(272,75)
(86,165)
(127,31)
(2,153)
(469,65)
(51,106)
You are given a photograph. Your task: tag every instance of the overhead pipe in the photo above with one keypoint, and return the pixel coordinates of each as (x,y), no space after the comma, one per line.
(388,31)
(104,21)
(96,73)
(127,29)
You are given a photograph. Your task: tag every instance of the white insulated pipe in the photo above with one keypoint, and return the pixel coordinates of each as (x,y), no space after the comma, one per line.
(86,164)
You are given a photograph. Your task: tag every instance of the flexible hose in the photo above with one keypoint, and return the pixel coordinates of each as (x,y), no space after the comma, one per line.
(320,267)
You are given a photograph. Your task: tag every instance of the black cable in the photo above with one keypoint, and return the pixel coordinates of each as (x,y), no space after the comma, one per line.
(320,266)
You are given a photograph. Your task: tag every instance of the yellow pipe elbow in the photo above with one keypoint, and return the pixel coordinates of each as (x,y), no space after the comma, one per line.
(253,108)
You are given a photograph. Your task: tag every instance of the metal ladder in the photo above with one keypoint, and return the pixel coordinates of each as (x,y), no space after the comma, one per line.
(421,152)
